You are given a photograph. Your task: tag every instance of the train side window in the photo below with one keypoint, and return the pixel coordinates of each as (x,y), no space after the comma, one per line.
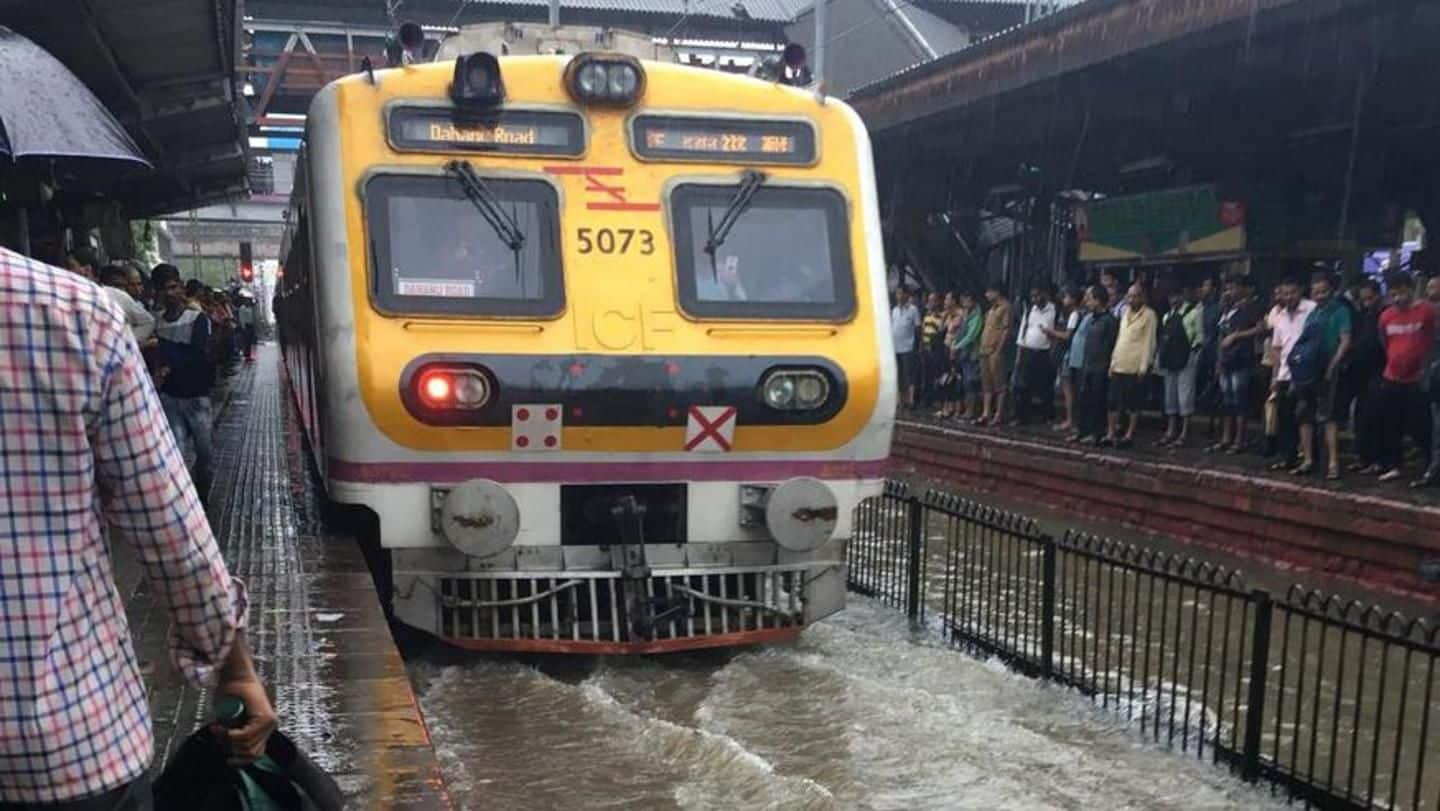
(433,252)
(787,256)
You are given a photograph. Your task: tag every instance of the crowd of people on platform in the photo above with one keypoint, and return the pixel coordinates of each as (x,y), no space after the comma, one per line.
(1301,366)
(189,334)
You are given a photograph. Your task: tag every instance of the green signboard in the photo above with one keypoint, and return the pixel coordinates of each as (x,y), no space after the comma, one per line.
(1175,224)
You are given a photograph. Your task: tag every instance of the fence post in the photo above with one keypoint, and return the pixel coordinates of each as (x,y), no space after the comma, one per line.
(916,537)
(1047,609)
(1255,704)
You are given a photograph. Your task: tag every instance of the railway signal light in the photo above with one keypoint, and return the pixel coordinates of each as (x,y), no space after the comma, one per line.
(405,46)
(796,70)
(247,263)
(792,68)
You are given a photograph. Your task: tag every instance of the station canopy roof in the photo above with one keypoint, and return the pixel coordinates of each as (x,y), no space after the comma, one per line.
(764,10)
(165,69)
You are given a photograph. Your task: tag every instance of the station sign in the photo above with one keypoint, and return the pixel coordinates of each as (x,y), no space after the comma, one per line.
(519,132)
(1169,225)
(722,140)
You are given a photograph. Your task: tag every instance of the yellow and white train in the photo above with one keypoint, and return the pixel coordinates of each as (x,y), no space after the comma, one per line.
(601,343)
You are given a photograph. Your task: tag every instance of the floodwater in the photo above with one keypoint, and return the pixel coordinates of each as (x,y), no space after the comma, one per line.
(859,713)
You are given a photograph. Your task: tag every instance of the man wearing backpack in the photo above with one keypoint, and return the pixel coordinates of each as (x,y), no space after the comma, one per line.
(1181,338)
(1316,362)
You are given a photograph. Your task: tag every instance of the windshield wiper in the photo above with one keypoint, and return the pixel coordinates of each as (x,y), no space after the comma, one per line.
(750,183)
(489,207)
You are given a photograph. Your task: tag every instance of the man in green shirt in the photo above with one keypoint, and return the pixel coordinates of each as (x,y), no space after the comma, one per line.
(965,351)
(1315,401)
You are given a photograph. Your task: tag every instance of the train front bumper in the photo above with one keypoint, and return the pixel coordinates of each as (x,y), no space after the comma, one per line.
(605,612)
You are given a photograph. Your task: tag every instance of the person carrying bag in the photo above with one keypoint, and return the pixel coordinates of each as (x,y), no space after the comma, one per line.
(199,775)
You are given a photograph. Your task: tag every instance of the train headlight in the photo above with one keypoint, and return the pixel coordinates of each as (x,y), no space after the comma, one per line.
(780,392)
(446,387)
(471,390)
(590,80)
(605,79)
(795,389)
(624,80)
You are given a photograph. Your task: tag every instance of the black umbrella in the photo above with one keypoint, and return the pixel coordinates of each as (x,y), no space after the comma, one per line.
(47,113)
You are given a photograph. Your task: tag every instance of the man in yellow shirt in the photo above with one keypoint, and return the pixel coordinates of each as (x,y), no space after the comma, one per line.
(1129,365)
(999,317)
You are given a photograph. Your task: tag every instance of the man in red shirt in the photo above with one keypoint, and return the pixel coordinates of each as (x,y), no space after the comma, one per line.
(1407,331)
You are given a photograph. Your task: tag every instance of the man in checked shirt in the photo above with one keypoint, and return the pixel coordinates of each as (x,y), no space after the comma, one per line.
(84,444)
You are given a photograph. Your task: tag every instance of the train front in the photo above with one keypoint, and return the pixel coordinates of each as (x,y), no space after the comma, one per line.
(605,346)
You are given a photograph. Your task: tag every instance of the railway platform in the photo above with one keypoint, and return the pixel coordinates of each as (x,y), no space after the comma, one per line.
(319,635)
(1346,536)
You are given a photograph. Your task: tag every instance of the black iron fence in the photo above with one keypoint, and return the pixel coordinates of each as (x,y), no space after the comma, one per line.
(1334,702)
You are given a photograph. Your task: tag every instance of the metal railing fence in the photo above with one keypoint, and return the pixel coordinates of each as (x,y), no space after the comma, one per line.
(1332,702)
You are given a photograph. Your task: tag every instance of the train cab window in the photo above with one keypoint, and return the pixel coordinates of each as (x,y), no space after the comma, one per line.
(438,251)
(786,255)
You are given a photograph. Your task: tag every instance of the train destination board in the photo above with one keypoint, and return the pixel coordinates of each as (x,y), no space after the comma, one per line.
(723,140)
(521,132)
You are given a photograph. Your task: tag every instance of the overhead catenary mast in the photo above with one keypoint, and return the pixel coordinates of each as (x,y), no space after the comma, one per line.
(818,67)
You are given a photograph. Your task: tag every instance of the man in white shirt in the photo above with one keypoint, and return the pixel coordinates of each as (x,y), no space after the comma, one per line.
(1286,321)
(1034,370)
(115,278)
(904,324)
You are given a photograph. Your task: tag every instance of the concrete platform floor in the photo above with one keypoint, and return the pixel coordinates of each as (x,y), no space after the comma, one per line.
(321,641)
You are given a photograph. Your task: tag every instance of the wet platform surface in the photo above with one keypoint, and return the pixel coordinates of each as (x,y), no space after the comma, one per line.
(320,639)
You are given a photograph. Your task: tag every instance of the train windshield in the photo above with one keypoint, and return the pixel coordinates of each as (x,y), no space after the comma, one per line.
(787,254)
(436,252)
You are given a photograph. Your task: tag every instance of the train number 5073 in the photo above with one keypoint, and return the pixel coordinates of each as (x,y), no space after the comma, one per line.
(615,240)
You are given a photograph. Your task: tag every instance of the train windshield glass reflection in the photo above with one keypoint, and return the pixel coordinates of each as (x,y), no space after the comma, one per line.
(722,140)
(788,255)
(435,253)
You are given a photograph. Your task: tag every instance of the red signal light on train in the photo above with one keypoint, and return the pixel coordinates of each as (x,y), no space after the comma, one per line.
(247,262)
(437,389)
(446,388)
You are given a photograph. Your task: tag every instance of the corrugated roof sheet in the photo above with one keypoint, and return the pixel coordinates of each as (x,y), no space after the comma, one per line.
(940,35)
(1066,6)
(763,10)
(871,38)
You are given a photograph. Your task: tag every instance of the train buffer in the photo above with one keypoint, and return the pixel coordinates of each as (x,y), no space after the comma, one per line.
(320,638)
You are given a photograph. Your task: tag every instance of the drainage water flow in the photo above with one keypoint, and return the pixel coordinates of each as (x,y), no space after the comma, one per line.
(860,713)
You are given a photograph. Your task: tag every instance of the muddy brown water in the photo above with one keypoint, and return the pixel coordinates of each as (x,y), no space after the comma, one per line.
(861,712)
